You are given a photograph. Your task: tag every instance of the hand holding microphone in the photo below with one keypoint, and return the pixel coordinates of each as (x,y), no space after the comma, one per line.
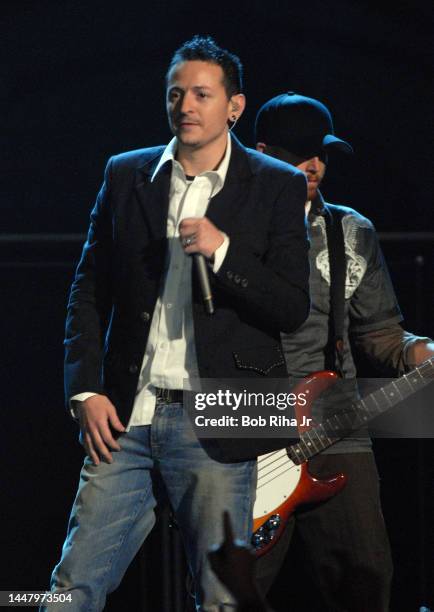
(200,235)
(200,238)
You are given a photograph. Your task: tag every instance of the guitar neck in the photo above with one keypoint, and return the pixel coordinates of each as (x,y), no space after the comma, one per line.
(359,413)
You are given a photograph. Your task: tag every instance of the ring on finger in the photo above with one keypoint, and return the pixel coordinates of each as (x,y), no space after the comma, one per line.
(189,240)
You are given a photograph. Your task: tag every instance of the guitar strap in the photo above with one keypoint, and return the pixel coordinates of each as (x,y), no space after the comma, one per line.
(337,261)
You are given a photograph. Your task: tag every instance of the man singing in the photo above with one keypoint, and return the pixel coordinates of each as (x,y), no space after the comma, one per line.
(137,332)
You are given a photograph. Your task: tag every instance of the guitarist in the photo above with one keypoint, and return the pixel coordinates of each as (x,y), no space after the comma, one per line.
(344,540)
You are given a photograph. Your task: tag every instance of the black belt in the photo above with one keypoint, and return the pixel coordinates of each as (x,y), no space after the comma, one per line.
(169,396)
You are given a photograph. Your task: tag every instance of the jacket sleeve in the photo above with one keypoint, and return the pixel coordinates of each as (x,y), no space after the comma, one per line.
(274,285)
(90,301)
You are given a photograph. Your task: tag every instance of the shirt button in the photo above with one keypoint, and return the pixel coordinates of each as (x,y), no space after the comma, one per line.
(133,369)
(162,345)
(169,305)
(145,316)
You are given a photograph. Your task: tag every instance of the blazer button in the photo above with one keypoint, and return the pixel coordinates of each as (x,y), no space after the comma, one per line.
(237,279)
(244,282)
(145,316)
(229,274)
(133,369)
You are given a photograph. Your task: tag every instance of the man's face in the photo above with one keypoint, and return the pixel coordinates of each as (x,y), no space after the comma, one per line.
(313,167)
(197,104)
(314,170)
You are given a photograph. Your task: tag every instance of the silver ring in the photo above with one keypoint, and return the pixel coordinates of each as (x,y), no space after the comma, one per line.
(188,240)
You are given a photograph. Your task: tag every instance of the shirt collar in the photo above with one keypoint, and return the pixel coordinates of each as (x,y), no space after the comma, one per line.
(218,176)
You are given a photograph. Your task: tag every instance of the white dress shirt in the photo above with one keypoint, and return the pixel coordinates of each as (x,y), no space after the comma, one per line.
(170,357)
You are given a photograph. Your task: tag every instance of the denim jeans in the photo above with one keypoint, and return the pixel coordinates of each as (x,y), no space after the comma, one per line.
(114,511)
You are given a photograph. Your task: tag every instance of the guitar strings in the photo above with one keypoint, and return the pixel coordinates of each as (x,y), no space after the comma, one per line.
(266,457)
(263,484)
(283,469)
(264,467)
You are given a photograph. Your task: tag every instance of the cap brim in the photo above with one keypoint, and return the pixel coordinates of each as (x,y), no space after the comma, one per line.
(331,141)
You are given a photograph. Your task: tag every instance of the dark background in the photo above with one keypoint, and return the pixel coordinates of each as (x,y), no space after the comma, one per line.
(84,80)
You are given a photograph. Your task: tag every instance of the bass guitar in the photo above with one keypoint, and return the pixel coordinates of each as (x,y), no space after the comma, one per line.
(284,481)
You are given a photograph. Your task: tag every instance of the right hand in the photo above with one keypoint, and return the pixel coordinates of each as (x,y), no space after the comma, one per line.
(95,415)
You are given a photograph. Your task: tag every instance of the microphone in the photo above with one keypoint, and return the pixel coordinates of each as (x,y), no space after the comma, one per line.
(205,287)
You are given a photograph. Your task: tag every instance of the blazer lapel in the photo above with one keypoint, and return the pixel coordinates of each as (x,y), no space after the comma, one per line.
(154,196)
(223,209)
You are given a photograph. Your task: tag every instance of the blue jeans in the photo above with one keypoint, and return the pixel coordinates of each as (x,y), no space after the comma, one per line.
(114,511)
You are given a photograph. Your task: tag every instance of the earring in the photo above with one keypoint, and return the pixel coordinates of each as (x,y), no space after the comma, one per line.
(233,120)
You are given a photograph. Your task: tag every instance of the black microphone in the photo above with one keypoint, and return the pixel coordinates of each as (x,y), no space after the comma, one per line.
(205,287)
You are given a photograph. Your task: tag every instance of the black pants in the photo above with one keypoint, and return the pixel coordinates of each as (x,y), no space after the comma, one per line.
(340,558)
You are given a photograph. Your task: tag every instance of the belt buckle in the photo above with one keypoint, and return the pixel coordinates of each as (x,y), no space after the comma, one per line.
(163,394)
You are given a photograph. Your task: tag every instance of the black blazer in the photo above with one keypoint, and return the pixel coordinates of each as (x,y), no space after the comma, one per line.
(260,290)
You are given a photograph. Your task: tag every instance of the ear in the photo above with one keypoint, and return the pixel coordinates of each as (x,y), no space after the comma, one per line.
(261,147)
(237,104)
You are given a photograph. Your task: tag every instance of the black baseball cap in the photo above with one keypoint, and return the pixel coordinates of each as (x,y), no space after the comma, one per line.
(298,124)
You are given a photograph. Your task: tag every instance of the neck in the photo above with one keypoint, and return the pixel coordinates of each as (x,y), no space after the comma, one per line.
(195,160)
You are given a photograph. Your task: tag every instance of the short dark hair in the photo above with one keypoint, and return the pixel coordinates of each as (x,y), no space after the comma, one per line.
(205,49)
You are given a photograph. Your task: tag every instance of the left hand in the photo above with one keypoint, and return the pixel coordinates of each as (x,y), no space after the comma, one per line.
(204,235)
